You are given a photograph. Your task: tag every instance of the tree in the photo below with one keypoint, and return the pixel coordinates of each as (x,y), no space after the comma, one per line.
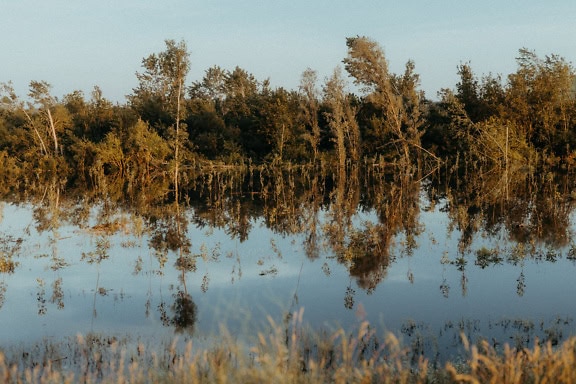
(14,119)
(492,95)
(393,121)
(159,94)
(341,119)
(94,118)
(309,107)
(240,109)
(212,87)
(277,112)
(44,116)
(230,109)
(412,119)
(448,130)
(211,135)
(161,91)
(467,91)
(40,94)
(540,100)
(481,100)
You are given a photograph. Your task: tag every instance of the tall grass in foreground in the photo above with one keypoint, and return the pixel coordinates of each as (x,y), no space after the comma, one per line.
(285,355)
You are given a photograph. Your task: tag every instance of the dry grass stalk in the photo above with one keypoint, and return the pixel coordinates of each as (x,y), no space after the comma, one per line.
(289,355)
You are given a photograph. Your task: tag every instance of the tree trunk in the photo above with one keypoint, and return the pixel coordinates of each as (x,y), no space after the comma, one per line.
(52,130)
(177,143)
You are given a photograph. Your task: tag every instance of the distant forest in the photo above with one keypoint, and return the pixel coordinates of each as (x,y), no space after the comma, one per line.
(169,127)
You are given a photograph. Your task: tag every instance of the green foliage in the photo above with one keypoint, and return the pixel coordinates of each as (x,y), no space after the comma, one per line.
(157,97)
(10,173)
(230,116)
(481,100)
(448,127)
(110,156)
(92,120)
(139,153)
(533,113)
(208,131)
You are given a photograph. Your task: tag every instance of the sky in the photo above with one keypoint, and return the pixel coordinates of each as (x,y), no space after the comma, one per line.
(76,45)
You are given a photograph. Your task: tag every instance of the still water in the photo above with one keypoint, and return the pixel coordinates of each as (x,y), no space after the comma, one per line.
(68,270)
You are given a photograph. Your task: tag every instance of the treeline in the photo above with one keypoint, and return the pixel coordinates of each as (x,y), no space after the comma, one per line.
(169,126)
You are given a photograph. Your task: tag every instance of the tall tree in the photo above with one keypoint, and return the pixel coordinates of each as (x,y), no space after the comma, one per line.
(212,137)
(241,107)
(341,118)
(481,99)
(212,87)
(45,117)
(393,121)
(40,94)
(94,118)
(161,89)
(310,107)
(540,100)
(277,110)
(159,94)
(467,91)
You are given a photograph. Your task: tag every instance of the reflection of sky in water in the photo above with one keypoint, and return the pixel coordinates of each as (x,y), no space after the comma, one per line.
(250,280)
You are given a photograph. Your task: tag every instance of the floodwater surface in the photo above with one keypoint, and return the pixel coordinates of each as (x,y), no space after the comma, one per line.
(425,265)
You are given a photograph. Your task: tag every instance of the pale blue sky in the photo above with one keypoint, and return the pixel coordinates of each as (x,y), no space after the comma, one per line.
(76,44)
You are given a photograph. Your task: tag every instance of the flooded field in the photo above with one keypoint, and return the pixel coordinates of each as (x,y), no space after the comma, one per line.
(422,258)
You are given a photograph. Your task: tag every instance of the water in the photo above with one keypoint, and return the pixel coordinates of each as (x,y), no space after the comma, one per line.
(428,277)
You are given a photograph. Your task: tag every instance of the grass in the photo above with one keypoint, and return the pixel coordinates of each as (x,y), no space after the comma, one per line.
(286,354)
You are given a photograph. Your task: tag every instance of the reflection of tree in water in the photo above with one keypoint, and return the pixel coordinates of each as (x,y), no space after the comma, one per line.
(225,199)
(167,236)
(48,214)
(368,251)
(312,202)
(171,235)
(3,288)
(531,208)
(365,249)
(397,205)
(322,202)
(349,297)
(537,210)
(185,313)
(9,247)
(529,211)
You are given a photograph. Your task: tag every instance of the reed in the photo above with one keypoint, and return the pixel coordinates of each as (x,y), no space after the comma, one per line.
(283,354)
(543,363)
